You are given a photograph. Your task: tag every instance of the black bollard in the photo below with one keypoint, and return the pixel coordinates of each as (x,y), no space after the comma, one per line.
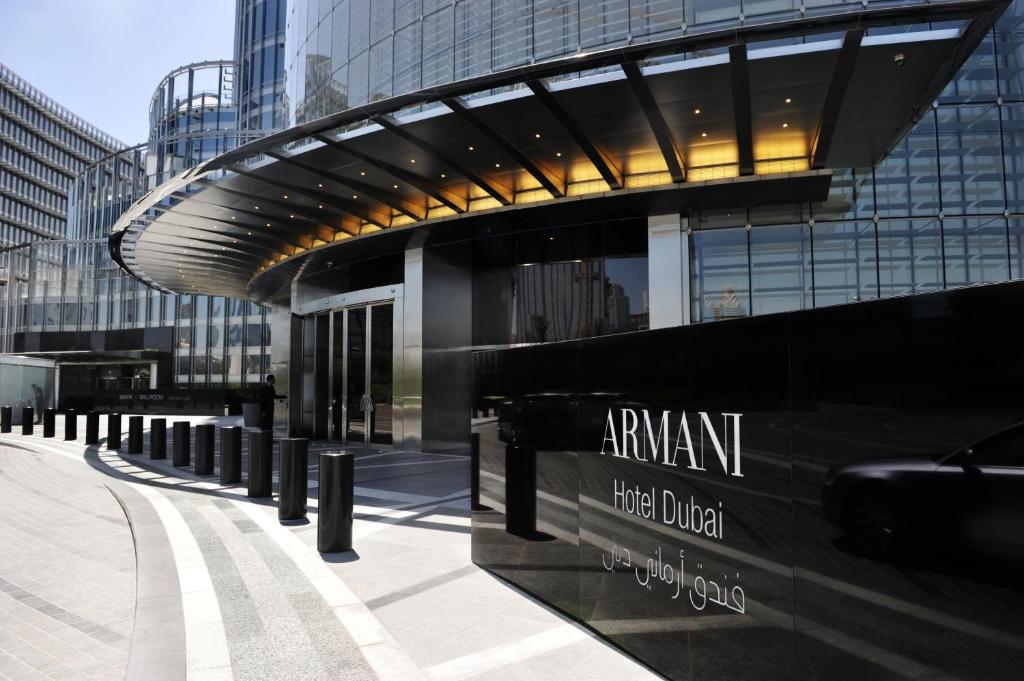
(158,438)
(520,490)
(113,431)
(49,422)
(92,428)
(28,416)
(294,478)
(230,455)
(204,449)
(6,419)
(337,490)
(182,434)
(135,435)
(261,463)
(70,424)
(474,471)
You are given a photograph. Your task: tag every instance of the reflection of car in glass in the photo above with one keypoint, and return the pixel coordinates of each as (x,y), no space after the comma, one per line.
(973,497)
(550,420)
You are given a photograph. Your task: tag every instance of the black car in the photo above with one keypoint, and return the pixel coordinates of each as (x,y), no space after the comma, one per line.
(972,498)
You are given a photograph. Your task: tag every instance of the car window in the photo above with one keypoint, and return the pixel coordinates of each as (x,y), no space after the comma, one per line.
(1005,449)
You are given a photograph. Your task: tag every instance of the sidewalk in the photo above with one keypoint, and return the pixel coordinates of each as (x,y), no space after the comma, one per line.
(227,592)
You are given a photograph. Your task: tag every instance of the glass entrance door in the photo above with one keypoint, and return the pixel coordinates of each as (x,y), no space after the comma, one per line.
(362,374)
(380,379)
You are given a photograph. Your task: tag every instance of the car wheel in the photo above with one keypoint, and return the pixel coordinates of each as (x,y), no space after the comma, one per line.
(875,523)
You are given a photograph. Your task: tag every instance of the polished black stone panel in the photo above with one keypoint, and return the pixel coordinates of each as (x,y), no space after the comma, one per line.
(49,422)
(204,449)
(158,439)
(70,424)
(336,497)
(294,479)
(230,455)
(824,494)
(114,431)
(135,435)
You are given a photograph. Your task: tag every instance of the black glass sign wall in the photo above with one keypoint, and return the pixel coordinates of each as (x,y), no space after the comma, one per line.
(826,494)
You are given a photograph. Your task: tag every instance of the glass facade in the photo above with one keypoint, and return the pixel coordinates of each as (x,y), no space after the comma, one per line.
(942,210)
(259,54)
(561,283)
(193,116)
(73,285)
(43,147)
(344,53)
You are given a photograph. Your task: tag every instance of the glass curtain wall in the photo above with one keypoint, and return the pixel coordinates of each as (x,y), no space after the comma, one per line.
(344,53)
(944,209)
(259,53)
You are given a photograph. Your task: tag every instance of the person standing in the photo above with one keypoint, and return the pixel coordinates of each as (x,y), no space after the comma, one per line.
(267,395)
(38,398)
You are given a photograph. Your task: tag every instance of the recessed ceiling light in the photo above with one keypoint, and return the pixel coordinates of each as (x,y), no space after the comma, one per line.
(443,175)
(354,196)
(363,173)
(320,185)
(233,217)
(286,196)
(497,165)
(789,100)
(471,147)
(292,217)
(536,135)
(785,125)
(395,186)
(256,207)
(320,206)
(704,134)
(268,224)
(412,160)
(558,154)
(696,112)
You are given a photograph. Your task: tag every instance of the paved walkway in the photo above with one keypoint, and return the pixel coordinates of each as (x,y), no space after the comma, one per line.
(67,571)
(227,592)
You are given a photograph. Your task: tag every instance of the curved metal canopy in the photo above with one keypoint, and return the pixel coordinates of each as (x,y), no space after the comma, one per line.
(730,119)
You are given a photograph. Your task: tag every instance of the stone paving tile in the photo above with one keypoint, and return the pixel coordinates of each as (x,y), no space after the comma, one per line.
(67,576)
(408,604)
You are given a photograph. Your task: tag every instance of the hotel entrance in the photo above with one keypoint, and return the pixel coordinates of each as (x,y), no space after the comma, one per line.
(348,348)
(362,372)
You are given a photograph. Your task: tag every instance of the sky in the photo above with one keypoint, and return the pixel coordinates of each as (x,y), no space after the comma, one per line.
(102,59)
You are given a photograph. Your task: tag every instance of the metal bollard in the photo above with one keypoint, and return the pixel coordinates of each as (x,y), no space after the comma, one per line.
(49,422)
(135,435)
(92,428)
(337,490)
(6,418)
(28,417)
(520,490)
(474,471)
(294,479)
(114,431)
(204,449)
(261,463)
(230,455)
(158,439)
(182,434)
(70,424)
